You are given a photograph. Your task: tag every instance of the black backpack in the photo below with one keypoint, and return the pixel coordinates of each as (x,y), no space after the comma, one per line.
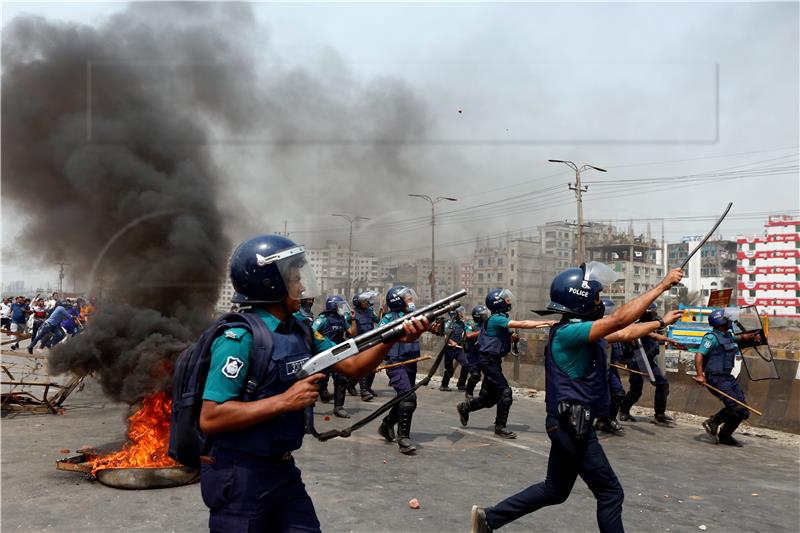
(186,442)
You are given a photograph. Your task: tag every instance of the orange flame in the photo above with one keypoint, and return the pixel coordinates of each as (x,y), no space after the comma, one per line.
(148,434)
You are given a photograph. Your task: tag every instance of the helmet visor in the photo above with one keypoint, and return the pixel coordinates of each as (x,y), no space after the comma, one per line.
(297,274)
(409,296)
(368,296)
(599,272)
(506,295)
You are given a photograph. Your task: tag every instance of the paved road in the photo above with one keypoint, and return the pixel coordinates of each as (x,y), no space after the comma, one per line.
(674,480)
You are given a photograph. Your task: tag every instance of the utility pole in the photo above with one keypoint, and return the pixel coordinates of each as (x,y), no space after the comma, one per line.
(349,247)
(61,276)
(433,202)
(579,190)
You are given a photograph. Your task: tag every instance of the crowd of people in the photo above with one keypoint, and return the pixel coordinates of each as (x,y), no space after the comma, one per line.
(46,320)
(254,425)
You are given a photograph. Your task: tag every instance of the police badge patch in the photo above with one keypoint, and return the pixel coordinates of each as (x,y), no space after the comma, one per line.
(232,367)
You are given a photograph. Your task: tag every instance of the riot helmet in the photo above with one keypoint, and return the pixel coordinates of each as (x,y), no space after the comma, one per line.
(480,313)
(268,268)
(366,297)
(499,300)
(576,291)
(401,298)
(718,319)
(335,305)
(457,313)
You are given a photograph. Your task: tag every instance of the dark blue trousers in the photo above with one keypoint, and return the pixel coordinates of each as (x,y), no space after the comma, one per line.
(636,382)
(246,494)
(452,355)
(727,384)
(494,382)
(402,378)
(569,458)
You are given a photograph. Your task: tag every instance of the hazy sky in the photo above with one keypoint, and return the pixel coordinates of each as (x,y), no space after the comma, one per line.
(697,102)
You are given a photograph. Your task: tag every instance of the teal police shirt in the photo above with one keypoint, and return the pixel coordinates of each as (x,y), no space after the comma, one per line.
(710,343)
(570,349)
(230,358)
(497,325)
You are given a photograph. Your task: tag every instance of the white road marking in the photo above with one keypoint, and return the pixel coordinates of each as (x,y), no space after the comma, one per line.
(500,441)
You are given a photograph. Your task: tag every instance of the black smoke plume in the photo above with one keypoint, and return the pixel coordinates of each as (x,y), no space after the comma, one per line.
(106,152)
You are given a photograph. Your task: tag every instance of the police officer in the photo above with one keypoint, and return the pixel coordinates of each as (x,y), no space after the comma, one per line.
(334,322)
(400,300)
(713,363)
(366,319)
(494,343)
(576,389)
(248,479)
(480,313)
(636,381)
(454,351)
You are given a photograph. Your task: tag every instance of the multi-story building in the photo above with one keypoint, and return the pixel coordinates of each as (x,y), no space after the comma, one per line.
(467,277)
(769,267)
(713,268)
(516,264)
(559,239)
(636,261)
(446,279)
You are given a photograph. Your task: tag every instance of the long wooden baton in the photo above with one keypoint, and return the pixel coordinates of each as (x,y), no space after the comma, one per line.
(728,396)
(401,363)
(629,370)
(708,236)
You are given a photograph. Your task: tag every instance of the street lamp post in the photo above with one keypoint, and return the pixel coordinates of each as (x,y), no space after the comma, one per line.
(579,190)
(349,246)
(433,202)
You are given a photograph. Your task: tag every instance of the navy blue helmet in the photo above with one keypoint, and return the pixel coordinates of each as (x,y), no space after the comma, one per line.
(718,318)
(576,291)
(336,304)
(499,300)
(480,313)
(457,313)
(401,298)
(268,268)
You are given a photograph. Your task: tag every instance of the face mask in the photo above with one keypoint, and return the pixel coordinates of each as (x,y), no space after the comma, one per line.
(411,307)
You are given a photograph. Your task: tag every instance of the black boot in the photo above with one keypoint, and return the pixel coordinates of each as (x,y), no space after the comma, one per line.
(626,416)
(386,429)
(663,419)
(366,395)
(351,386)
(463,413)
(404,415)
(726,430)
(463,374)
(607,425)
(445,386)
(503,407)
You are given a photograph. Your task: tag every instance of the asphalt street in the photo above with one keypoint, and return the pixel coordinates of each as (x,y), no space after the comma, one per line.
(674,479)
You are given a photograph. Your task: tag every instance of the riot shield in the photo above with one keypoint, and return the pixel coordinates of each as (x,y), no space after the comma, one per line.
(757,357)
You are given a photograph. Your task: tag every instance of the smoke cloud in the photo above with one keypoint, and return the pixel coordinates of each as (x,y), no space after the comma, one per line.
(134,149)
